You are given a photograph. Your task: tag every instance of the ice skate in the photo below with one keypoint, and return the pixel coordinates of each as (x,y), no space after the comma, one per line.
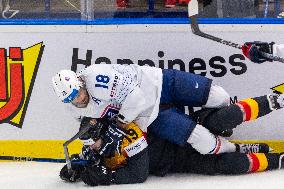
(280,100)
(253,148)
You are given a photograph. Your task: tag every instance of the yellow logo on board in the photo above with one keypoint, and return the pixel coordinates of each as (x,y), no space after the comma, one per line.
(278,89)
(17,76)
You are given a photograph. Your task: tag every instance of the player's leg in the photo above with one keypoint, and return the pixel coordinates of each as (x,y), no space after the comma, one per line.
(192,90)
(229,117)
(205,142)
(175,126)
(178,128)
(228,163)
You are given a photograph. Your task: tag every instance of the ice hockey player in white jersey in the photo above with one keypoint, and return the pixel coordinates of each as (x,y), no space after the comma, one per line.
(151,97)
(106,90)
(252,50)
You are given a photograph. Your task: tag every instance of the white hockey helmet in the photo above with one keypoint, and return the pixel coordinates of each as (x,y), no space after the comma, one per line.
(66,85)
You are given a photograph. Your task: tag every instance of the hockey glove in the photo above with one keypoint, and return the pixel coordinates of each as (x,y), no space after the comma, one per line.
(97,126)
(97,175)
(252,51)
(111,141)
(90,155)
(77,165)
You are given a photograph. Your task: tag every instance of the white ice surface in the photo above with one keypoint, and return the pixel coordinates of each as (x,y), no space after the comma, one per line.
(33,175)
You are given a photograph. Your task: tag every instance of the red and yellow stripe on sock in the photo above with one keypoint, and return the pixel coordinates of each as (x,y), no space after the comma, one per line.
(254,108)
(258,162)
(250,108)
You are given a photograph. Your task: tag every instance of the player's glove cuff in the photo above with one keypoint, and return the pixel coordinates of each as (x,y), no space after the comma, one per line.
(252,50)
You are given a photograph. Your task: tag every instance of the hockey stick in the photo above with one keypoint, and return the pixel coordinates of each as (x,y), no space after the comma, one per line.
(193,12)
(65,147)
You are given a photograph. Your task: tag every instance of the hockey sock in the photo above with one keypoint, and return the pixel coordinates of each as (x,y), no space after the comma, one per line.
(206,143)
(239,163)
(254,108)
(261,162)
(229,117)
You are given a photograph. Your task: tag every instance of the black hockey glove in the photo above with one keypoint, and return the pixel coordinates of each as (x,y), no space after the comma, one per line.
(77,165)
(89,155)
(252,51)
(97,175)
(111,141)
(94,131)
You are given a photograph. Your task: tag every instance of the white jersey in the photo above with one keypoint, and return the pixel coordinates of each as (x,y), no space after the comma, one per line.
(278,50)
(129,90)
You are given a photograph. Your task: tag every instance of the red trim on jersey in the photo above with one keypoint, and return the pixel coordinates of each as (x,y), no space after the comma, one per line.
(107,108)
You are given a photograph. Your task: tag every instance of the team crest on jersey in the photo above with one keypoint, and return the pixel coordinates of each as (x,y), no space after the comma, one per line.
(110,111)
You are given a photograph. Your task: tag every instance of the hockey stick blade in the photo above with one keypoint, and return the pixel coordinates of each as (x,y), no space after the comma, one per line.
(193,12)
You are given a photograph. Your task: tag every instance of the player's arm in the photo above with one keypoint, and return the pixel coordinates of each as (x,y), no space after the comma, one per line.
(132,106)
(118,83)
(135,171)
(252,50)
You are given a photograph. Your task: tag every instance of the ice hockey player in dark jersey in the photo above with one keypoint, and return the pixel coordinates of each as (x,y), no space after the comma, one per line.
(122,156)
(111,155)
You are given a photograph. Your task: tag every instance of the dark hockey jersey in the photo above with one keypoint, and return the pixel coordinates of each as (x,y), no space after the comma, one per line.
(130,161)
(133,143)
